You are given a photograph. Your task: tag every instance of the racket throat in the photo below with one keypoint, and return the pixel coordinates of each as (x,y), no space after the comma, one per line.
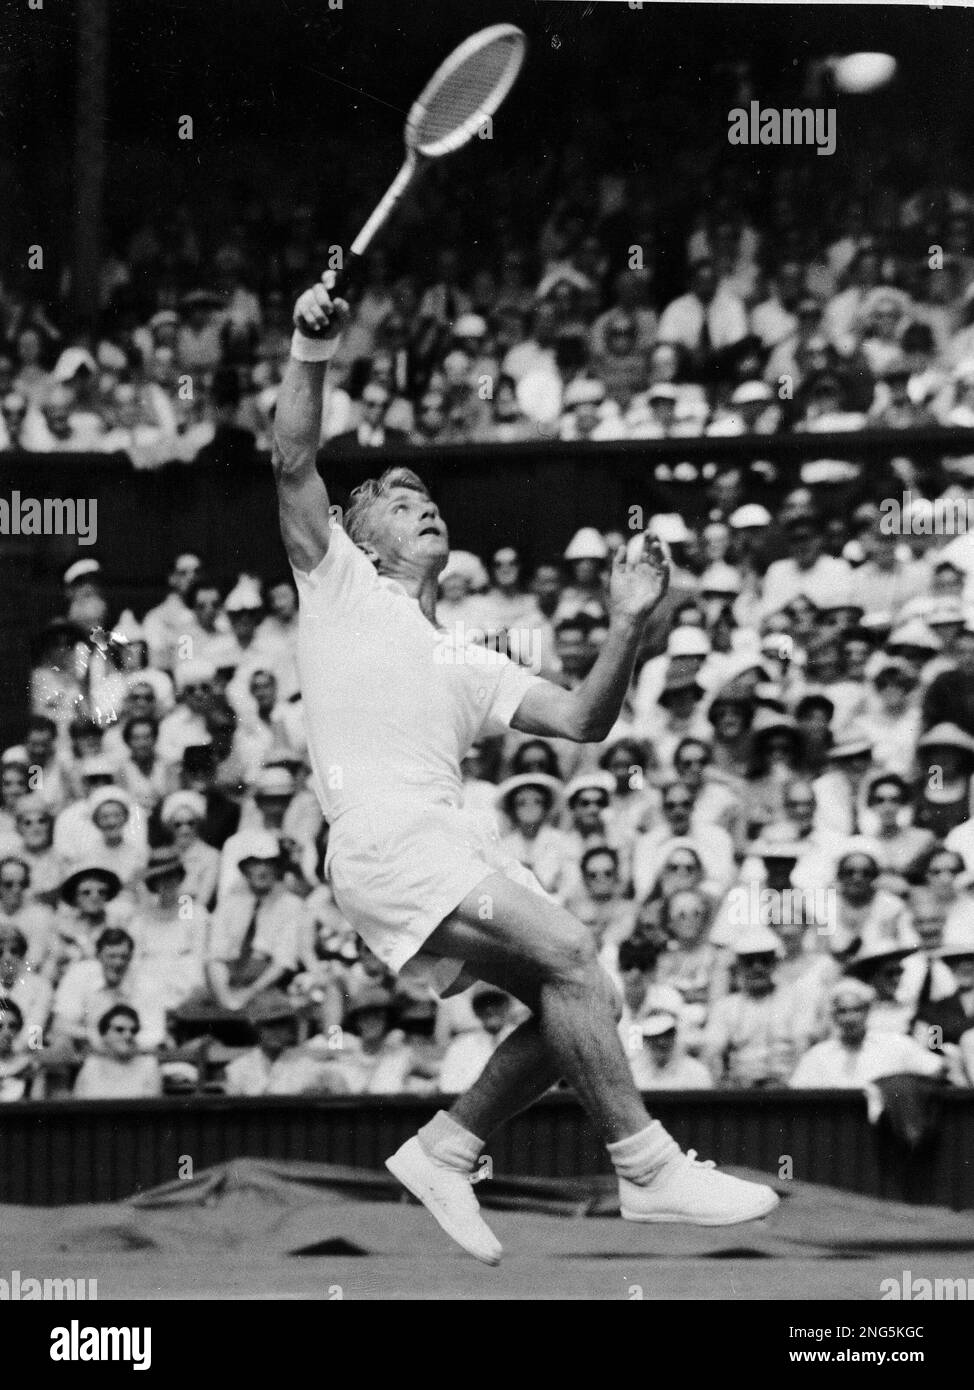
(383,211)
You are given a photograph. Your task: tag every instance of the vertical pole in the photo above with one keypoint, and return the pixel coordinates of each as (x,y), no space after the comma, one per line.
(89,157)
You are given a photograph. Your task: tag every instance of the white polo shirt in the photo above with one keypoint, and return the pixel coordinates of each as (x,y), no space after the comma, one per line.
(391,705)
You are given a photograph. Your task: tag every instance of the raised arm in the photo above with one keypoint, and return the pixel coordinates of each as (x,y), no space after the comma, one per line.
(302,499)
(587,713)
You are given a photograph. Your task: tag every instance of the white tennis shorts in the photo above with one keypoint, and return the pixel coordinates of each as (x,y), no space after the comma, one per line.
(398,870)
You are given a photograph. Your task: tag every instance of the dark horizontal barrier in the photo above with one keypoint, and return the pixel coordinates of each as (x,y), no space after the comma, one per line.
(533,495)
(69,1151)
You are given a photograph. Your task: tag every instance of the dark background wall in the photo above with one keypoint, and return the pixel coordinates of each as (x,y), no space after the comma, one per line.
(277,86)
(533,496)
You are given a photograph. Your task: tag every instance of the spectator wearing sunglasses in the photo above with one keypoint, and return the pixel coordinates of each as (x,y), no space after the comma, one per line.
(600,904)
(372,431)
(118,1071)
(712,845)
(91,987)
(88,907)
(529,802)
(862,912)
(945,875)
(182,816)
(900,846)
(716,801)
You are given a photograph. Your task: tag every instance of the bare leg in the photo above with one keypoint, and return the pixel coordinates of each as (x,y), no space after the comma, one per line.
(520,1071)
(504,928)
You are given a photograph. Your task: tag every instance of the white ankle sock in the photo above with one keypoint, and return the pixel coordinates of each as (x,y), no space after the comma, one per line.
(640,1156)
(444,1139)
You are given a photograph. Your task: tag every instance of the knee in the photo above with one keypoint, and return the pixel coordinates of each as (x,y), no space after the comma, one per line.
(572,957)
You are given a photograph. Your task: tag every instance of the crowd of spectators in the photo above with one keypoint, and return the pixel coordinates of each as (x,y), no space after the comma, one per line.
(773,848)
(605,323)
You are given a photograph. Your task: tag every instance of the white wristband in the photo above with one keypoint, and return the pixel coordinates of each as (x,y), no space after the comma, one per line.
(304,349)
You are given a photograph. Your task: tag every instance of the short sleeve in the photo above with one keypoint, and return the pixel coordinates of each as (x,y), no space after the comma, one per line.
(343,575)
(509,683)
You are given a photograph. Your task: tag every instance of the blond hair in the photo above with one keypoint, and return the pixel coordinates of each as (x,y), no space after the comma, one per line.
(363,499)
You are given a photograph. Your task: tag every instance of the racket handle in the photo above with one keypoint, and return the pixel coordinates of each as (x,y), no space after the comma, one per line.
(348,278)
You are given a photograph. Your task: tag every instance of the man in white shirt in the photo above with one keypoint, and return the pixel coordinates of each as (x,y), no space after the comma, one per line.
(164,623)
(807,571)
(660,1064)
(392,706)
(857,1056)
(186,726)
(536,353)
(277,1066)
(90,988)
(706,320)
(775,319)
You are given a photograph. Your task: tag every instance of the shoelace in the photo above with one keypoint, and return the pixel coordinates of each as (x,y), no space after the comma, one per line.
(700,1162)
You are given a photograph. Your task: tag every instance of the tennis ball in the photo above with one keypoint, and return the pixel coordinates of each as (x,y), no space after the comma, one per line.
(863,72)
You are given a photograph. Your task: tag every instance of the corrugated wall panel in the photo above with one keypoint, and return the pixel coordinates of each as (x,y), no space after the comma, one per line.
(102,1151)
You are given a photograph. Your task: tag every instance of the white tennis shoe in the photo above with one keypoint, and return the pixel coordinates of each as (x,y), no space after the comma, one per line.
(447,1194)
(688,1190)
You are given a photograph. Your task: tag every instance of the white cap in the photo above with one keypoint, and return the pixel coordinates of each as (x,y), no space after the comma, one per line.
(669,527)
(914,633)
(189,672)
(852,990)
(750,392)
(71,359)
(259,844)
(688,641)
(663,391)
(829,471)
(245,595)
(720,578)
(757,941)
(464,562)
(80,569)
(587,544)
(658,1022)
(584,391)
(585,781)
(128,628)
(751,514)
(182,801)
(101,795)
(470,326)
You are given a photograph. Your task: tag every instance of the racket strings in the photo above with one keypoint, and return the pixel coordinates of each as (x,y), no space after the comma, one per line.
(474,89)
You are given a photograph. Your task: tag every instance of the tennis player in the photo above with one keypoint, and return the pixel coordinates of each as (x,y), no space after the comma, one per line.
(391,707)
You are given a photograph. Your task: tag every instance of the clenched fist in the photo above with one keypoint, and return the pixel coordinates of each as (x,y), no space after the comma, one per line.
(316,314)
